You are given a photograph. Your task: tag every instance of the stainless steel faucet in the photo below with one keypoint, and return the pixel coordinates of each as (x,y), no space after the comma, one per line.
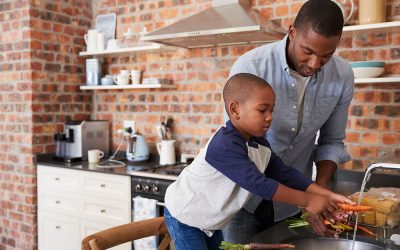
(374,166)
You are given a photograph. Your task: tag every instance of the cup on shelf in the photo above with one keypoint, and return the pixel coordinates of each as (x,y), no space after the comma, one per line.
(124,72)
(112,44)
(91,40)
(135,76)
(121,79)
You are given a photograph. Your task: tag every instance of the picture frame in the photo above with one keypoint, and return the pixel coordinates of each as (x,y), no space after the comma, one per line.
(106,23)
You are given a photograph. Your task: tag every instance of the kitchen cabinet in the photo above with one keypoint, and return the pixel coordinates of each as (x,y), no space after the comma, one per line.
(73,204)
(366,29)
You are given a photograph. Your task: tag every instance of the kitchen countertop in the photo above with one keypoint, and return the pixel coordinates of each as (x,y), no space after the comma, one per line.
(131,169)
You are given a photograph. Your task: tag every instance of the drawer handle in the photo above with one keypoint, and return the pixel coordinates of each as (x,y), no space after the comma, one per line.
(58,227)
(103,211)
(57,178)
(103,185)
(58,202)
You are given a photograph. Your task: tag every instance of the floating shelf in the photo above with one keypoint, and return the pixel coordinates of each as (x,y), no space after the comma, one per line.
(387,79)
(128,86)
(147,48)
(371,28)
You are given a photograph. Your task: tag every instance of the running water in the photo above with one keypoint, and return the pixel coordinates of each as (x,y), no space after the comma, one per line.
(353,242)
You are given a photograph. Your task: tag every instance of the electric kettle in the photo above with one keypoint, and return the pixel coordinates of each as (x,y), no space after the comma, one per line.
(137,149)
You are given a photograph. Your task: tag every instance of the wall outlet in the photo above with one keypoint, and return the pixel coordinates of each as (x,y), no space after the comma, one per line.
(130,124)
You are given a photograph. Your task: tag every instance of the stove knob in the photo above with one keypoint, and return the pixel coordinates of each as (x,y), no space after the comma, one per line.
(146,188)
(138,187)
(156,190)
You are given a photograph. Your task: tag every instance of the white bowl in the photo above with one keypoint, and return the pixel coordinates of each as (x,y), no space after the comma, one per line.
(367,72)
(368,69)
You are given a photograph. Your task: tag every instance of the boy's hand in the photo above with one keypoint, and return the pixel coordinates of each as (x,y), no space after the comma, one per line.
(316,221)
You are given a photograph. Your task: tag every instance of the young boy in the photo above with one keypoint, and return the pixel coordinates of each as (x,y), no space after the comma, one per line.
(237,161)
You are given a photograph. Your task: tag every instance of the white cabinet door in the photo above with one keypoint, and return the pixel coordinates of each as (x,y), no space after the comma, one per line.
(108,211)
(60,202)
(90,227)
(52,178)
(57,232)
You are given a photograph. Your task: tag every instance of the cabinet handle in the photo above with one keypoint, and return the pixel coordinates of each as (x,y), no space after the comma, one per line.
(58,227)
(103,185)
(58,202)
(57,178)
(103,211)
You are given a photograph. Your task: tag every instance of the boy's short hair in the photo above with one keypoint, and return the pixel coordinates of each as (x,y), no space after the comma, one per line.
(323,16)
(241,87)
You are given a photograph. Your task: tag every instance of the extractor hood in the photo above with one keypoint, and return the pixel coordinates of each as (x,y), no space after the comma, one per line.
(227,22)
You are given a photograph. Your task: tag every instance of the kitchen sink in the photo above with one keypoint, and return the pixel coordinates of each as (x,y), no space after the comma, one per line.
(319,243)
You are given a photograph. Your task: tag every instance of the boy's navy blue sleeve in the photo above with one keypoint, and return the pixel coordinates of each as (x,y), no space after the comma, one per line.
(229,155)
(286,175)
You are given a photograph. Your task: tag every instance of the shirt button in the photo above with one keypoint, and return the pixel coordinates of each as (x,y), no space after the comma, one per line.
(294,106)
(293,129)
(291,147)
(293,85)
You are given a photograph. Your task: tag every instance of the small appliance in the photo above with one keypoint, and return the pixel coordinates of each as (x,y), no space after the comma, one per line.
(82,136)
(137,149)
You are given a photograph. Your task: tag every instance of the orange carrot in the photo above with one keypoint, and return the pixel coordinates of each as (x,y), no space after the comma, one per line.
(365,230)
(355,208)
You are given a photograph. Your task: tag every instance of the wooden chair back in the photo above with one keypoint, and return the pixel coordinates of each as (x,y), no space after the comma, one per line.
(128,232)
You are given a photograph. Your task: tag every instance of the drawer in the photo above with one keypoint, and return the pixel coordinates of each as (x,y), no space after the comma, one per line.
(91,227)
(57,232)
(53,178)
(110,212)
(106,186)
(63,203)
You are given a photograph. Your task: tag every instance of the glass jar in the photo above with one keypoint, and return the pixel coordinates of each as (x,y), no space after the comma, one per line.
(372,11)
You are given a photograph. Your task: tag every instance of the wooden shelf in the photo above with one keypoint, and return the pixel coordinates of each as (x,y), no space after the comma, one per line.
(371,28)
(386,79)
(128,86)
(146,48)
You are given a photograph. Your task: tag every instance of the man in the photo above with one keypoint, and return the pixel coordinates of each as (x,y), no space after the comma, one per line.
(313,90)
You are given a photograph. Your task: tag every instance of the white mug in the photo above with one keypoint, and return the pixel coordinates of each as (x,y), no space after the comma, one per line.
(124,72)
(121,79)
(112,44)
(91,40)
(95,155)
(135,76)
(166,150)
(100,41)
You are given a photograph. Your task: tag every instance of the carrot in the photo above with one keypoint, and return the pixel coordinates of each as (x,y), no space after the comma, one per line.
(252,246)
(365,230)
(355,208)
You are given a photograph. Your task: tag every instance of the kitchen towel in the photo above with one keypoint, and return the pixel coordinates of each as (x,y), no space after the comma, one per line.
(145,208)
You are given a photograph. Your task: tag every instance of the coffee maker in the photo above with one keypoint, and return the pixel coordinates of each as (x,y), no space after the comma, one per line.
(81,136)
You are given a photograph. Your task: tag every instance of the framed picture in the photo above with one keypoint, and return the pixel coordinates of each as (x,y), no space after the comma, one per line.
(106,24)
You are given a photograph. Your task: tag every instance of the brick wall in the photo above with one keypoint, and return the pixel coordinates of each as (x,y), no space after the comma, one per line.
(199,74)
(40,75)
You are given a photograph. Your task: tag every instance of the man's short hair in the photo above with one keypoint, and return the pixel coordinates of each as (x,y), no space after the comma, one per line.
(241,87)
(323,16)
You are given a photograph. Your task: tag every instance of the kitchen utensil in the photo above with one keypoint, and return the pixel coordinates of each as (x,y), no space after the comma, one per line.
(160,132)
(93,71)
(368,69)
(372,11)
(107,80)
(91,40)
(100,42)
(166,150)
(121,79)
(94,155)
(137,149)
(168,128)
(342,7)
(163,130)
(135,76)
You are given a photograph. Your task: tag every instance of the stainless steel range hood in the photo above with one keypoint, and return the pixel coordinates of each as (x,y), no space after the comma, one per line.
(227,22)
